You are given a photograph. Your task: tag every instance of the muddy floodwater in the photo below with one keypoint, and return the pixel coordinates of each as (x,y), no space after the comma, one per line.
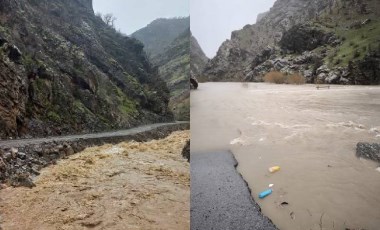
(131,185)
(311,134)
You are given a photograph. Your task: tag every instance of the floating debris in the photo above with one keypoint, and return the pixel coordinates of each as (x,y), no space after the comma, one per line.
(292,215)
(284,203)
(274,169)
(265,193)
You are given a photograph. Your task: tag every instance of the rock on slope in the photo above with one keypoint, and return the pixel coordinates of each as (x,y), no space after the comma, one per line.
(160,33)
(198,58)
(174,68)
(63,70)
(334,41)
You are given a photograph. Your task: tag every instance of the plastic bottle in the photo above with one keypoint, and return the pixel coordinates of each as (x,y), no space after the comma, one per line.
(265,193)
(274,169)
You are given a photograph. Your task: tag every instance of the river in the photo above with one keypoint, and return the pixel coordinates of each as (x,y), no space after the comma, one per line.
(311,134)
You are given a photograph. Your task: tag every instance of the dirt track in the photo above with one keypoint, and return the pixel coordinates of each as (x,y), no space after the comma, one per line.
(131,185)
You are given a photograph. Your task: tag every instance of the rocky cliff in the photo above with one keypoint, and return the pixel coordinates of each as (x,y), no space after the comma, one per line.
(334,41)
(167,41)
(198,58)
(160,33)
(174,68)
(63,70)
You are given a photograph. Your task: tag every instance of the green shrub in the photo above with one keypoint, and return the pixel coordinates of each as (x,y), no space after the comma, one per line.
(338,61)
(53,116)
(356,54)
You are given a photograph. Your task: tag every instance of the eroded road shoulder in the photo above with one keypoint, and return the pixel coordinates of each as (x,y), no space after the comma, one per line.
(220,198)
(131,185)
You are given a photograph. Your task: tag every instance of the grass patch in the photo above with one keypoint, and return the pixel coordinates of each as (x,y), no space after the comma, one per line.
(355,35)
(127,107)
(355,43)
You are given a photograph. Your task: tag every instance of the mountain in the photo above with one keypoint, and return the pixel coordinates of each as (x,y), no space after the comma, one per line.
(334,41)
(261,16)
(198,58)
(174,68)
(64,71)
(160,33)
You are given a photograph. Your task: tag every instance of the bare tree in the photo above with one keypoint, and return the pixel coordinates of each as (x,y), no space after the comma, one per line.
(109,19)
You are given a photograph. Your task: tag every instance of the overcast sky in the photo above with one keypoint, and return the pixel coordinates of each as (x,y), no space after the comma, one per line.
(212,21)
(135,14)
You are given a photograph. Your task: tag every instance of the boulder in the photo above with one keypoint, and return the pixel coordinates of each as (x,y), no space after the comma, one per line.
(186,151)
(305,37)
(280,64)
(2,41)
(14,54)
(368,150)
(332,78)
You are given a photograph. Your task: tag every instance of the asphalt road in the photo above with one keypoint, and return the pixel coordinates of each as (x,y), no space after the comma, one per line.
(220,198)
(22,142)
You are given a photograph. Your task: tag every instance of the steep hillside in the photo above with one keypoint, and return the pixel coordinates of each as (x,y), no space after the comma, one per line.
(63,70)
(198,58)
(335,41)
(174,68)
(160,33)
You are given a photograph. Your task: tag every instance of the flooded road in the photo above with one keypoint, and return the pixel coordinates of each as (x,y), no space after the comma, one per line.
(131,185)
(311,134)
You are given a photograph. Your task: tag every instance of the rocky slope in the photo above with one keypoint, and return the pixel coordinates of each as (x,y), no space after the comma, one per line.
(63,70)
(160,33)
(174,68)
(167,41)
(198,58)
(335,41)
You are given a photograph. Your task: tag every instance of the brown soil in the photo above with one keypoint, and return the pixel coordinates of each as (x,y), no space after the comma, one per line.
(131,185)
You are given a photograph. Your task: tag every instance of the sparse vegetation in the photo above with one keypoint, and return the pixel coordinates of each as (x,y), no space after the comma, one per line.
(53,116)
(275,77)
(295,79)
(109,19)
(282,78)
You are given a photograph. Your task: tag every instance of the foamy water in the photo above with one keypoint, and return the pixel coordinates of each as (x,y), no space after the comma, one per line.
(311,134)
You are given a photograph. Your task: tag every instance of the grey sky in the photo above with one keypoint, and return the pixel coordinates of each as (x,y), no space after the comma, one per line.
(135,14)
(212,21)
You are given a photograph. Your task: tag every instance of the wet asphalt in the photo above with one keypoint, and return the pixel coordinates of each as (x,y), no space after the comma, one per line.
(100,135)
(220,198)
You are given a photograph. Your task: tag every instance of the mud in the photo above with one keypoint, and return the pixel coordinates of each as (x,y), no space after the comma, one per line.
(131,185)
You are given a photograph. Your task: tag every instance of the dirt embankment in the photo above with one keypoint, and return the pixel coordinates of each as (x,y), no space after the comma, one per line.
(131,185)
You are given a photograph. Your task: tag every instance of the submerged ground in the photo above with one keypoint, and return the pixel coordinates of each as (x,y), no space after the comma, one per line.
(131,185)
(311,134)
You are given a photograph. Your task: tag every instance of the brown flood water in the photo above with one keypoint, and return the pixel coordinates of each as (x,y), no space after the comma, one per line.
(131,185)
(311,134)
